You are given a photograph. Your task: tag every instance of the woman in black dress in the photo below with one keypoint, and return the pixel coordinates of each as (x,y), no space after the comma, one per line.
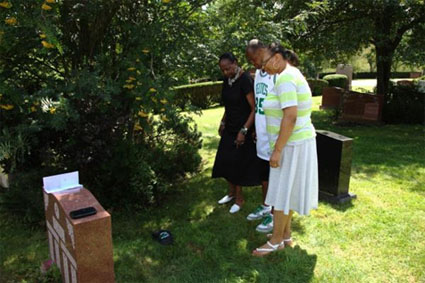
(236,158)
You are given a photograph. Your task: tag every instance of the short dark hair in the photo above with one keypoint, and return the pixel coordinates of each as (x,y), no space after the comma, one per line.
(228,56)
(289,55)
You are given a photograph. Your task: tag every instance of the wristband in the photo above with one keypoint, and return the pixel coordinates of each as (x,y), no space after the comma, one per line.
(243,130)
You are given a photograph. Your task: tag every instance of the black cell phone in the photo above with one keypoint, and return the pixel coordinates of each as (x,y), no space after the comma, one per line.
(83,212)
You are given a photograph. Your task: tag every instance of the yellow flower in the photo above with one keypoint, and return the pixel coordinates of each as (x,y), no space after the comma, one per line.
(6,106)
(142,114)
(42,35)
(138,98)
(137,127)
(50,1)
(154,99)
(164,101)
(132,78)
(131,69)
(128,86)
(11,21)
(137,60)
(163,118)
(47,45)
(33,109)
(146,51)
(152,89)
(5,4)
(52,110)
(166,1)
(162,109)
(128,81)
(46,7)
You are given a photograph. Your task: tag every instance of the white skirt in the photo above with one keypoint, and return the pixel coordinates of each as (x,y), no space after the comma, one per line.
(294,185)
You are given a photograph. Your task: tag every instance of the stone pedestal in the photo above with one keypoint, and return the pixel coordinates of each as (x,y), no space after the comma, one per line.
(331,97)
(347,70)
(362,107)
(334,160)
(81,248)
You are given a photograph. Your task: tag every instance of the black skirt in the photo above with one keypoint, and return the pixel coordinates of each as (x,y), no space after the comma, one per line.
(240,166)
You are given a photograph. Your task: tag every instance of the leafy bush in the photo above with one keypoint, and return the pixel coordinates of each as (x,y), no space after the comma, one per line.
(317,85)
(201,95)
(422,78)
(85,87)
(322,75)
(373,75)
(337,80)
(404,104)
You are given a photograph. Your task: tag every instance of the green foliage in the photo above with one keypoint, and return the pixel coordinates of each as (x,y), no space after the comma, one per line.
(24,198)
(230,24)
(337,80)
(323,27)
(405,104)
(317,85)
(422,78)
(201,95)
(86,86)
(386,175)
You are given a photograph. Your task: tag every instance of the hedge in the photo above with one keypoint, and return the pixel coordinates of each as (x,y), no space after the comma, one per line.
(404,104)
(317,85)
(373,75)
(201,95)
(337,80)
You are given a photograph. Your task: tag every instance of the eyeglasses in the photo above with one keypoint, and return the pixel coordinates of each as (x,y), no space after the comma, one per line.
(264,63)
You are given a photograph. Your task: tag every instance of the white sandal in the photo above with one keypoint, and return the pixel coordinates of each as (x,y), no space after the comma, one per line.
(272,248)
(285,240)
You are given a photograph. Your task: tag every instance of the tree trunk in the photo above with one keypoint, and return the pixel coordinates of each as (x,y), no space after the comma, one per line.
(384,58)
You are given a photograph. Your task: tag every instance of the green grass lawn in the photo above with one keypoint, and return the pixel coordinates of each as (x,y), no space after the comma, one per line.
(380,237)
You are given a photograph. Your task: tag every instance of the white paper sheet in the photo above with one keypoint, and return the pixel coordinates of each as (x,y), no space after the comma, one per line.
(61,182)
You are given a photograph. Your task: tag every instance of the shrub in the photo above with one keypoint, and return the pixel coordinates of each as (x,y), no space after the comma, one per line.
(202,95)
(100,106)
(373,75)
(337,80)
(317,85)
(404,104)
(322,75)
(422,78)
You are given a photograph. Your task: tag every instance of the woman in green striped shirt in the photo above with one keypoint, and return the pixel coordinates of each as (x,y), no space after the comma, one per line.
(293,180)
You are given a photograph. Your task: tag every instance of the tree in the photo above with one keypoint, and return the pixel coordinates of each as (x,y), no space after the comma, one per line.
(84,85)
(343,26)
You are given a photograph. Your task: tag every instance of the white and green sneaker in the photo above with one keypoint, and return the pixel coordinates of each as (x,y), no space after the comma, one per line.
(267,225)
(259,212)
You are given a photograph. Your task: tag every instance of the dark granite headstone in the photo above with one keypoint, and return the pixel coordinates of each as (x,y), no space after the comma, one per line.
(334,158)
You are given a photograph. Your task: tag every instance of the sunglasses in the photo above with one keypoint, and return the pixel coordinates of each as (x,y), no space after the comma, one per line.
(264,63)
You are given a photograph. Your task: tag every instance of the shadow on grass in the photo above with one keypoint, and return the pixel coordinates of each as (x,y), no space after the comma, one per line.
(211,245)
(211,143)
(340,206)
(394,151)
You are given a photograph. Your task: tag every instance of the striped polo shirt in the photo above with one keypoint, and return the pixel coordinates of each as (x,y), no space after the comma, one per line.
(291,89)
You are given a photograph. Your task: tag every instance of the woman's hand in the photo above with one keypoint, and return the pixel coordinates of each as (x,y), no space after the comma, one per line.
(240,140)
(254,136)
(220,130)
(275,159)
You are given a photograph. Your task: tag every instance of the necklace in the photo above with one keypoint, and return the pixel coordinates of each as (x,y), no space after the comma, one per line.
(230,81)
